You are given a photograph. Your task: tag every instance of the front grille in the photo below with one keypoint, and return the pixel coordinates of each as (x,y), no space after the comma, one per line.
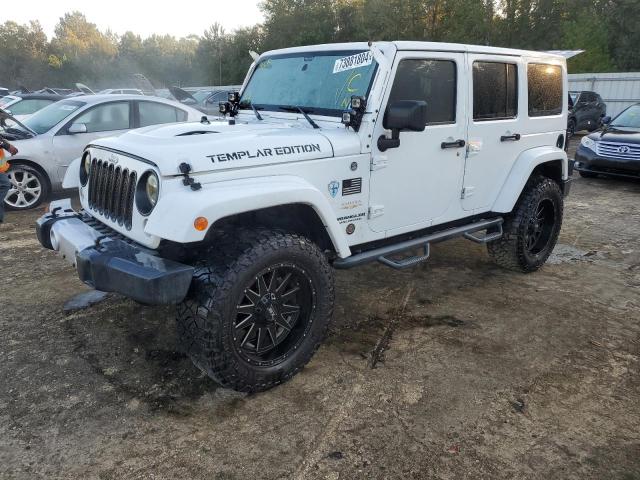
(622,151)
(111,192)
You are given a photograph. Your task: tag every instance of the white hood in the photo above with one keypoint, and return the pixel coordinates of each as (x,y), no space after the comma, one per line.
(220,146)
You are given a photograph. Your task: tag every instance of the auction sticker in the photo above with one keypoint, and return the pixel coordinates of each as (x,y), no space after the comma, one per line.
(353,61)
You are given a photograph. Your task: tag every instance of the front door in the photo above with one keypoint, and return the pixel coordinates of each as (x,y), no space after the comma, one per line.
(105,120)
(494,136)
(417,183)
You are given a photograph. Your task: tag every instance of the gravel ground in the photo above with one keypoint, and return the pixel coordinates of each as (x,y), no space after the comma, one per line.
(487,373)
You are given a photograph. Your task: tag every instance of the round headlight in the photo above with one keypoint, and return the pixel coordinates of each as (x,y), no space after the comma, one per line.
(152,189)
(85,167)
(147,192)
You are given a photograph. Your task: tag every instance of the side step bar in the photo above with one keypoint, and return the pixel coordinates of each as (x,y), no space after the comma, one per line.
(492,227)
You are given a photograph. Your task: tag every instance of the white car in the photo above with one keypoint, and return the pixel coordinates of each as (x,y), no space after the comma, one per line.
(331,156)
(117,91)
(50,139)
(21,106)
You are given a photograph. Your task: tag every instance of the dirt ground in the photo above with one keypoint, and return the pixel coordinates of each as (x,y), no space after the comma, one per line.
(488,374)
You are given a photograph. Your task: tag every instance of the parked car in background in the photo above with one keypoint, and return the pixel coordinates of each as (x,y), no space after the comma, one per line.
(120,91)
(206,100)
(4,92)
(50,139)
(23,105)
(615,150)
(587,112)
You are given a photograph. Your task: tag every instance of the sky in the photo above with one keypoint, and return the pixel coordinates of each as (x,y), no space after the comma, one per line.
(144,17)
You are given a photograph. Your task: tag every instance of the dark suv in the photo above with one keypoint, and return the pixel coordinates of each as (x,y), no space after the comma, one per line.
(586,109)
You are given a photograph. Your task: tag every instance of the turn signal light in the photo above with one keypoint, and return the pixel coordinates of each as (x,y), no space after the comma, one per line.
(200,224)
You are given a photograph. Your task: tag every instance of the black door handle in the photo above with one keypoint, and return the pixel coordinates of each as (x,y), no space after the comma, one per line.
(457,144)
(515,137)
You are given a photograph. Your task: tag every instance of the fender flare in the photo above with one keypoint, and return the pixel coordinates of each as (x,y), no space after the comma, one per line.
(72,175)
(215,201)
(522,170)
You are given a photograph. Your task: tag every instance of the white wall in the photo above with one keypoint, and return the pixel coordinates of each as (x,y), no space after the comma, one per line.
(618,90)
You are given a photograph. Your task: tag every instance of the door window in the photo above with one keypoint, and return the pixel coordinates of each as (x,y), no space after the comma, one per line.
(156,113)
(107,117)
(495,91)
(544,83)
(433,81)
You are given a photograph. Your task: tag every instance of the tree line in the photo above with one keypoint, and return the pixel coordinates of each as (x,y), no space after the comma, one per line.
(80,52)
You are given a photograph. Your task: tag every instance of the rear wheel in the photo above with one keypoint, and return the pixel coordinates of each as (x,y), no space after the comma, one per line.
(531,230)
(29,188)
(257,310)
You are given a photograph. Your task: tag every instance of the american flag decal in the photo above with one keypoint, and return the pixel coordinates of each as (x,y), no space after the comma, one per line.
(351,186)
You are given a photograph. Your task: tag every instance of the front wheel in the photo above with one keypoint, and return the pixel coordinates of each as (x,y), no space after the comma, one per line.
(258,309)
(531,230)
(29,188)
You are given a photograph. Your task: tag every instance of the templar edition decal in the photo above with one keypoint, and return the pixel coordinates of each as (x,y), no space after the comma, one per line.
(265,152)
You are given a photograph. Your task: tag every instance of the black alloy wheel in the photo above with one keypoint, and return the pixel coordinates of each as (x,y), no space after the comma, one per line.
(273,314)
(540,228)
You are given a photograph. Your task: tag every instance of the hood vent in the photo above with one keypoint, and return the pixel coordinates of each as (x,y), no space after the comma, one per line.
(195,132)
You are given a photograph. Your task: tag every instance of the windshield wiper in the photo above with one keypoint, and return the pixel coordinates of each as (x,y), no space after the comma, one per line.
(255,110)
(19,133)
(293,108)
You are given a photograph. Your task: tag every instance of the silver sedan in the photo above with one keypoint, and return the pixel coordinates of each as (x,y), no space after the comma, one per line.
(49,140)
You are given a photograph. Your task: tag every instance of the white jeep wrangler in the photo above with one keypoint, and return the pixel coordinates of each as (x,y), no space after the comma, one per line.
(330,156)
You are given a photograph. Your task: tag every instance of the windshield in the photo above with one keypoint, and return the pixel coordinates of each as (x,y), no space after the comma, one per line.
(319,82)
(200,95)
(7,100)
(574,96)
(629,118)
(45,119)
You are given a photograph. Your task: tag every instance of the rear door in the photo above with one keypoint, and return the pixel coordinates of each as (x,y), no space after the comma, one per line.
(417,183)
(494,134)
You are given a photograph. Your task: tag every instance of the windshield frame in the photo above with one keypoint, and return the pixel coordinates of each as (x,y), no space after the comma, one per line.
(311,110)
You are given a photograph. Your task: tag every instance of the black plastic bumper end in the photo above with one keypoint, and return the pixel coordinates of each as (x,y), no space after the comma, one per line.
(116,266)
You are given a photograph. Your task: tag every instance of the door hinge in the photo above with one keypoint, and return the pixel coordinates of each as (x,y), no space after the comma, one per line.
(376,211)
(378,161)
(466,192)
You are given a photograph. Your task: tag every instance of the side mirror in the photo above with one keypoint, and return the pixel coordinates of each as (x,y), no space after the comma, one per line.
(76,128)
(408,115)
(606,120)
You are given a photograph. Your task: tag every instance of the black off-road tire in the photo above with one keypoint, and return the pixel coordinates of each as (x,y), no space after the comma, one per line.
(512,250)
(207,319)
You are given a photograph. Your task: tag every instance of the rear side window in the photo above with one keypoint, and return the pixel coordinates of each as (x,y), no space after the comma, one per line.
(433,81)
(156,113)
(495,91)
(545,89)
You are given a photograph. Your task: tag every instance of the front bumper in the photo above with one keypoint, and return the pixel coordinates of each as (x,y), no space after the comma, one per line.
(110,264)
(587,160)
